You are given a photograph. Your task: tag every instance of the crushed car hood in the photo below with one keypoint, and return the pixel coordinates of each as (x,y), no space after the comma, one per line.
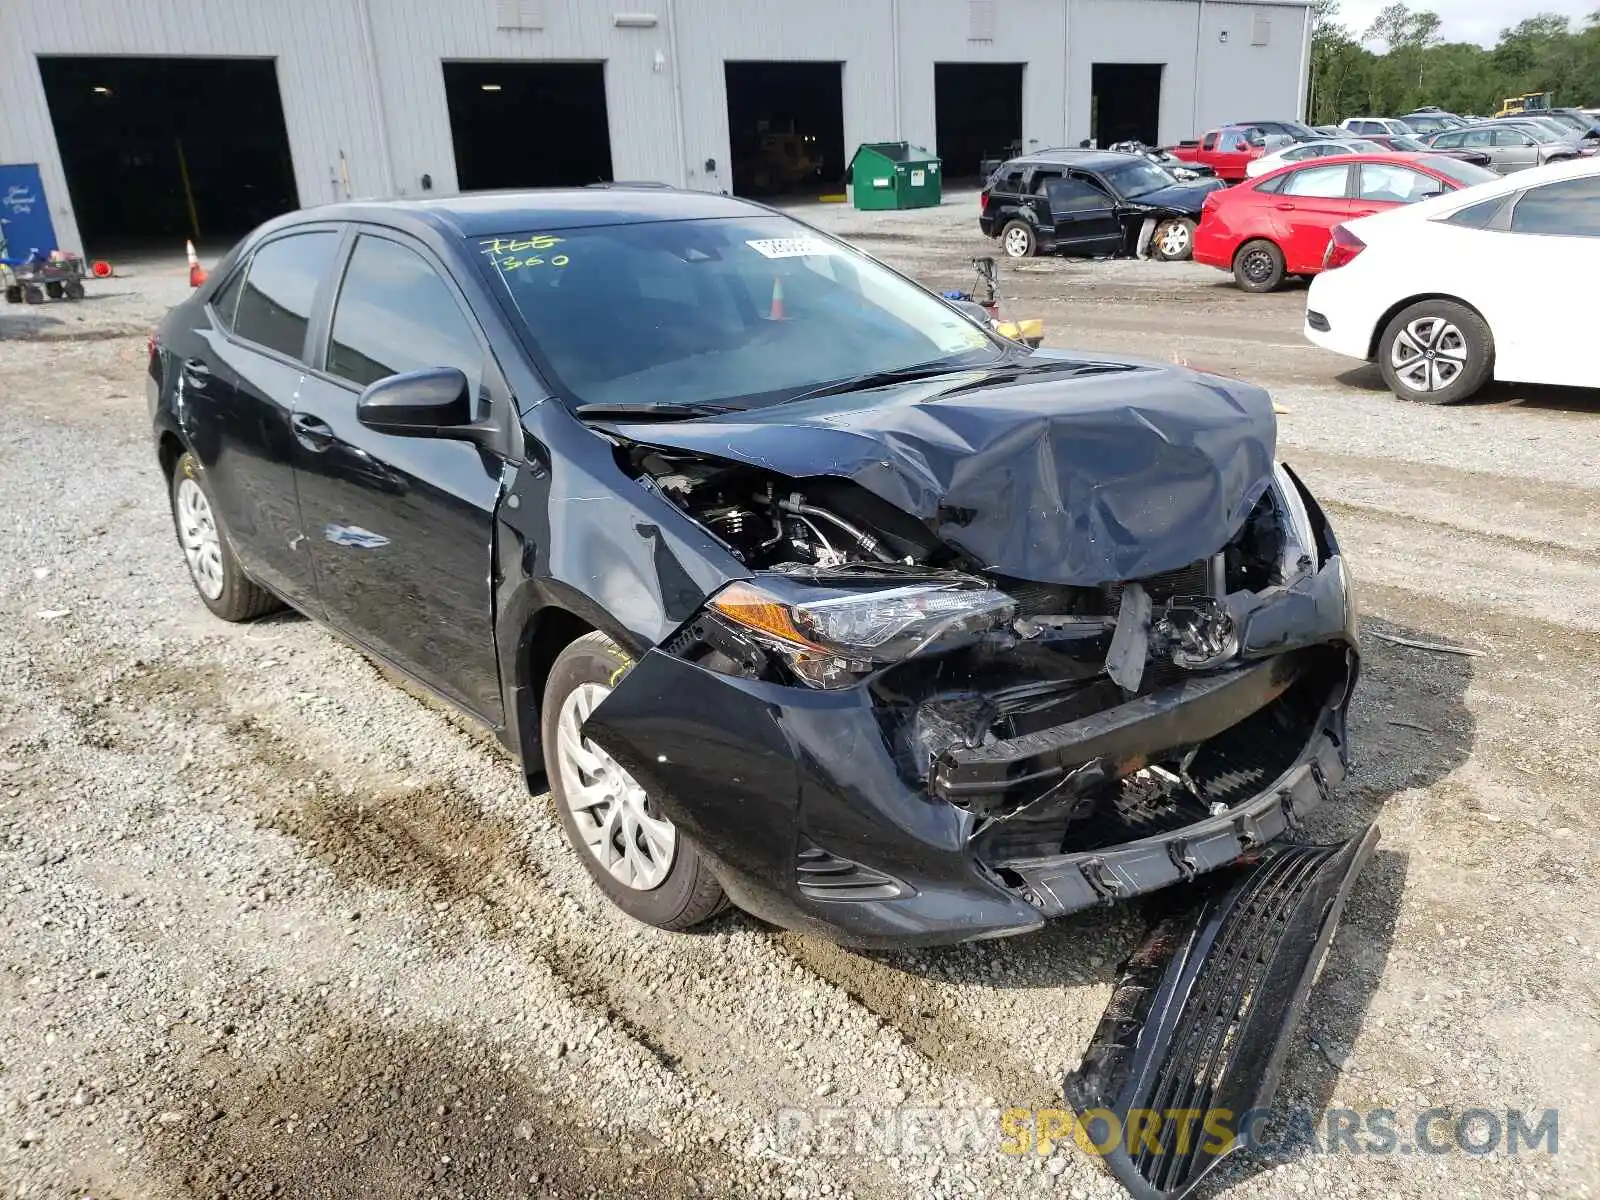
(1185,196)
(1124,471)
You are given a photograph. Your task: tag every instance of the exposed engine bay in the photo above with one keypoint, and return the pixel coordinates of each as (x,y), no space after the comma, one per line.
(1036,657)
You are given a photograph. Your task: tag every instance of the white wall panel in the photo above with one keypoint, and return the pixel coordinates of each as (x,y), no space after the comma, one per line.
(1032,32)
(858,33)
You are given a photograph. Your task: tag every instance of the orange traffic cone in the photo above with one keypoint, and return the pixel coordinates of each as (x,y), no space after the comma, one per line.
(197,273)
(778,313)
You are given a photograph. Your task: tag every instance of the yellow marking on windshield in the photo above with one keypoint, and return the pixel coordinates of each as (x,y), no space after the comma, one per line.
(512,254)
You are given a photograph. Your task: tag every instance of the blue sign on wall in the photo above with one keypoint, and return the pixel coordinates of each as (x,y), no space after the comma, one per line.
(25,226)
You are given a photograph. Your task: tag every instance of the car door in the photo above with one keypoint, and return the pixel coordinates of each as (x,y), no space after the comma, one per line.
(1233,153)
(1312,200)
(235,400)
(1514,150)
(1083,215)
(401,528)
(1549,245)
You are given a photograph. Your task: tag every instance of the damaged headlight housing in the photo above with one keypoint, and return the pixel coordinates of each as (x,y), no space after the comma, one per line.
(830,634)
(1298,550)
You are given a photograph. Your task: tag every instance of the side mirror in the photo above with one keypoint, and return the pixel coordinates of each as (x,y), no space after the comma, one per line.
(428,403)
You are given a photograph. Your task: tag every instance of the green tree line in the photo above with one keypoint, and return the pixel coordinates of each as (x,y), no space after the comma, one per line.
(1544,53)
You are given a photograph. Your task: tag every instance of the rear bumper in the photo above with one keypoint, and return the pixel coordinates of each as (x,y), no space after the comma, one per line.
(1349,312)
(807,807)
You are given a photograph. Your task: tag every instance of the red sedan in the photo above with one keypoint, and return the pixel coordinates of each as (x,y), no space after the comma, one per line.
(1279,224)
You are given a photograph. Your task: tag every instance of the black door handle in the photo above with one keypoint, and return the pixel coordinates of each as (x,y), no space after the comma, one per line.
(311,432)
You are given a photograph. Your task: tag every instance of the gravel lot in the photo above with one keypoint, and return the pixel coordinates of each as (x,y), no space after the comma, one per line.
(272,925)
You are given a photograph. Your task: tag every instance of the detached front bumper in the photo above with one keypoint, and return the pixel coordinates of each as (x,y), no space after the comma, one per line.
(813,819)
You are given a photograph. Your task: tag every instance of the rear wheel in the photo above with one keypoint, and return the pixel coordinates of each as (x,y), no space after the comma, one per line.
(633,852)
(1018,240)
(1173,240)
(226,589)
(1258,267)
(1436,352)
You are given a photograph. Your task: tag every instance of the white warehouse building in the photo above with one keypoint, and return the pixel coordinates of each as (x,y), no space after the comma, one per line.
(155,119)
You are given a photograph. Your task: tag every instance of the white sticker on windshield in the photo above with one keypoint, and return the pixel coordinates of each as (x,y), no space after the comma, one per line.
(791,247)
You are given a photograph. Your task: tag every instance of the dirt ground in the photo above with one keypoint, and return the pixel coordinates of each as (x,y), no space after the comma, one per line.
(272,926)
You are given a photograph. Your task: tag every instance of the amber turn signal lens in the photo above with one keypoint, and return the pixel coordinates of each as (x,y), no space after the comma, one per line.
(754,609)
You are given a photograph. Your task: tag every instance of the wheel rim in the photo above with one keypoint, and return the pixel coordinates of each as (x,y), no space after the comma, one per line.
(1429,354)
(1017,243)
(1257,266)
(609,808)
(197,534)
(1175,240)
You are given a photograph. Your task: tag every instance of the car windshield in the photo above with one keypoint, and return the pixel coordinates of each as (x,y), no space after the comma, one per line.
(1464,173)
(1137,177)
(1298,131)
(1406,143)
(1362,146)
(742,311)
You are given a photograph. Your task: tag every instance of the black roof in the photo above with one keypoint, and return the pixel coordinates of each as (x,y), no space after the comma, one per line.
(478,214)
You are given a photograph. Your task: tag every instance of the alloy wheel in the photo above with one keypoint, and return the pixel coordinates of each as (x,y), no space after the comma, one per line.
(610,809)
(1428,354)
(1017,243)
(197,534)
(1175,239)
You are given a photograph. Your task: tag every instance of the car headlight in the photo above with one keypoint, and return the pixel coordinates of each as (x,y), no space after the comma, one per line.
(1298,553)
(833,632)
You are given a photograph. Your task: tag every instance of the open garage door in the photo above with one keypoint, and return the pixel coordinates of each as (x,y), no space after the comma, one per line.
(157,150)
(977,113)
(528,124)
(786,127)
(1126,103)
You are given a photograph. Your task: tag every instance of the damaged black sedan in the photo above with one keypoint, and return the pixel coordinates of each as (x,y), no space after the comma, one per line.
(800,587)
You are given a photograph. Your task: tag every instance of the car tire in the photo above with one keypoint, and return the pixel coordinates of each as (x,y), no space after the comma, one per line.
(1018,240)
(216,574)
(1436,352)
(665,881)
(1258,266)
(1173,240)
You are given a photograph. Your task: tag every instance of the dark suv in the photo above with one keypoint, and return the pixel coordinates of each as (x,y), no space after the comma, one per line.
(1091,204)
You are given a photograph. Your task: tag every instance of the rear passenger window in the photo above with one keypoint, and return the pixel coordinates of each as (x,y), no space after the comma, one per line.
(226,300)
(1570,207)
(275,305)
(1074,194)
(1272,186)
(1009,181)
(1324,182)
(394,315)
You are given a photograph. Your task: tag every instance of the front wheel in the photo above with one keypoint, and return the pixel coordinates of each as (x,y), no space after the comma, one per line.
(1436,352)
(1173,240)
(635,854)
(1018,240)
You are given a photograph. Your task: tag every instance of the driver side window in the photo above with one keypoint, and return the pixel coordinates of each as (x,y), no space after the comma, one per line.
(395,314)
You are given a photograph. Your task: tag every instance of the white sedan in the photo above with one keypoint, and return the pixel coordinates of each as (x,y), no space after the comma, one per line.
(1301,151)
(1494,281)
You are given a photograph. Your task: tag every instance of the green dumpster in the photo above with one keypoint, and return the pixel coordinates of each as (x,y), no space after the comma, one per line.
(894,175)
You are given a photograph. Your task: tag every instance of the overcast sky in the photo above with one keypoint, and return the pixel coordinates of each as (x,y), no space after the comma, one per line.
(1468,20)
